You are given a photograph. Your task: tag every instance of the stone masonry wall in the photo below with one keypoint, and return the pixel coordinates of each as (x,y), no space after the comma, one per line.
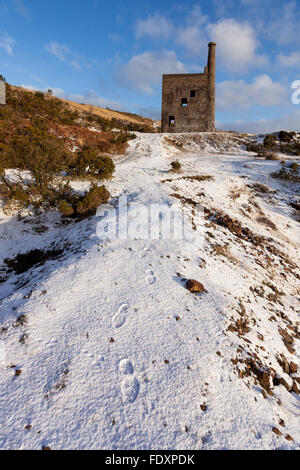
(188,100)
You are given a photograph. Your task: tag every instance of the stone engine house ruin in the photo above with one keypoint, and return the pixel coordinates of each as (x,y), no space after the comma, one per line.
(188,100)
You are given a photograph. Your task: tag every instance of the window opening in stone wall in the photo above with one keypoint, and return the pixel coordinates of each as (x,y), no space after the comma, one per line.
(171,120)
(193,93)
(184,102)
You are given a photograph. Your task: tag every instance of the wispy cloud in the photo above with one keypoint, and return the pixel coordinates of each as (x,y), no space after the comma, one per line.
(7,43)
(283,24)
(58,50)
(64,54)
(115,37)
(289,60)
(35,78)
(75,64)
(22,9)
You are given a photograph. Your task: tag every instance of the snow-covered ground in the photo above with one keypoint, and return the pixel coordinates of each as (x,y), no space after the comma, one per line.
(105,348)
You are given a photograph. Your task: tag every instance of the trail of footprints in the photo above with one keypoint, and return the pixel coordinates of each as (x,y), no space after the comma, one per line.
(130,385)
(149,274)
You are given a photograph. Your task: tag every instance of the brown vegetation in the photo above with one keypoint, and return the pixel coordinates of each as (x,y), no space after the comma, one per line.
(38,134)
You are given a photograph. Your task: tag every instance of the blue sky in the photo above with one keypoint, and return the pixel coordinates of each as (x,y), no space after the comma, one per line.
(114,53)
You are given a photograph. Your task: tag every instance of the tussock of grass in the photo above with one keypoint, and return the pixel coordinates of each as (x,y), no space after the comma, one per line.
(262,188)
(287,173)
(198,178)
(267,222)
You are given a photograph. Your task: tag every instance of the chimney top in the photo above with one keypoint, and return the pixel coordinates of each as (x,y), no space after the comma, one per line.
(212,44)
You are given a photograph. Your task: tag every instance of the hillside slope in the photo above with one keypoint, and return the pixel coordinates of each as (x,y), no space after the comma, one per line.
(110,113)
(104,113)
(103,347)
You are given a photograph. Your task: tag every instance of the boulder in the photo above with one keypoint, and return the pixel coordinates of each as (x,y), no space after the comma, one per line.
(194,286)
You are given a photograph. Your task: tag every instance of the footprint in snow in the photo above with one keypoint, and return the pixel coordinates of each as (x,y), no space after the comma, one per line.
(150,278)
(126,367)
(130,386)
(130,389)
(120,317)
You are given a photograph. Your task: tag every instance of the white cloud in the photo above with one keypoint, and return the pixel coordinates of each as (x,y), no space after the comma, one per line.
(236,40)
(7,43)
(58,50)
(289,121)
(239,94)
(290,60)
(144,71)
(237,44)
(154,26)
(192,38)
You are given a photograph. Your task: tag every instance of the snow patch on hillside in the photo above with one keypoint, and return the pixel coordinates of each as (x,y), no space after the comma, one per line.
(105,348)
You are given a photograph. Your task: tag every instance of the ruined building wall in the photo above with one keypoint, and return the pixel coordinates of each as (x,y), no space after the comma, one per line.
(2,92)
(188,100)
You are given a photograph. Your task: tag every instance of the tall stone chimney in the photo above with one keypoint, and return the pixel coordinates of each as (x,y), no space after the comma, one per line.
(211,66)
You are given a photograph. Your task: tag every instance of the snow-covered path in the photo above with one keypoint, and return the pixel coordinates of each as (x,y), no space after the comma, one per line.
(115,352)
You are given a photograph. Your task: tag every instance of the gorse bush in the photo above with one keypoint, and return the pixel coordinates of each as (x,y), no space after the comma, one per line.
(91,201)
(175,166)
(285,136)
(66,208)
(285,143)
(81,206)
(269,141)
(89,162)
(37,151)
